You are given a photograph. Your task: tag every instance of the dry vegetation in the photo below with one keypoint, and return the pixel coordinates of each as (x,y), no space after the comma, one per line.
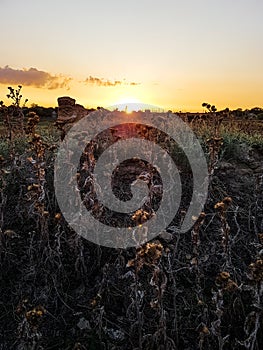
(198,290)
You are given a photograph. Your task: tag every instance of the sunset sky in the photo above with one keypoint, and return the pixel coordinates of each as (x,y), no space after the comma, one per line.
(174,54)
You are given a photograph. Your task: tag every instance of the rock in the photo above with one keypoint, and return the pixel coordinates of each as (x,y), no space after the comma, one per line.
(69,111)
(66,101)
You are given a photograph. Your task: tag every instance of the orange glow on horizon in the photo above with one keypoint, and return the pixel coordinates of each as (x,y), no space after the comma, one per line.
(153,96)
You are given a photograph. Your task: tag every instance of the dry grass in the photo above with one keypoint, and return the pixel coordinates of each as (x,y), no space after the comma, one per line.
(198,290)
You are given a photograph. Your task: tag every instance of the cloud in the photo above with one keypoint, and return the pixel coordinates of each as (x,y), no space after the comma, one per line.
(134,84)
(104,82)
(33,77)
(40,79)
(101,82)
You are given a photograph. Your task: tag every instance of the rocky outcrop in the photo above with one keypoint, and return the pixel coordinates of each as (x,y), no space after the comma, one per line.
(69,111)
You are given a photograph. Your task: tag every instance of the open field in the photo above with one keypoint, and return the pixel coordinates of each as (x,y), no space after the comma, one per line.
(201,289)
(131,175)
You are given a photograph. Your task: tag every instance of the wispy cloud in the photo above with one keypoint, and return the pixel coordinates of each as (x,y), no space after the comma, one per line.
(134,84)
(41,79)
(106,82)
(101,82)
(33,77)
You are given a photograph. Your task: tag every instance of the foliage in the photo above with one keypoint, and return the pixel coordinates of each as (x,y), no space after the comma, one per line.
(198,290)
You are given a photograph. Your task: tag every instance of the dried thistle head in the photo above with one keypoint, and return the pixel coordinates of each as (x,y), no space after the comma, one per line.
(58,216)
(256,270)
(230,286)
(227,201)
(223,205)
(149,255)
(32,121)
(140,216)
(151,252)
(36,137)
(219,206)
(224,281)
(32,115)
(33,316)
(222,277)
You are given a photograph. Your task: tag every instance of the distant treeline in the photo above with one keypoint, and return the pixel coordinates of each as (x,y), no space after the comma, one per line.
(256,112)
(49,113)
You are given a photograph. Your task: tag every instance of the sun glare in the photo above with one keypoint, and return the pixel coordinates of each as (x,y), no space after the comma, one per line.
(129,105)
(128,100)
